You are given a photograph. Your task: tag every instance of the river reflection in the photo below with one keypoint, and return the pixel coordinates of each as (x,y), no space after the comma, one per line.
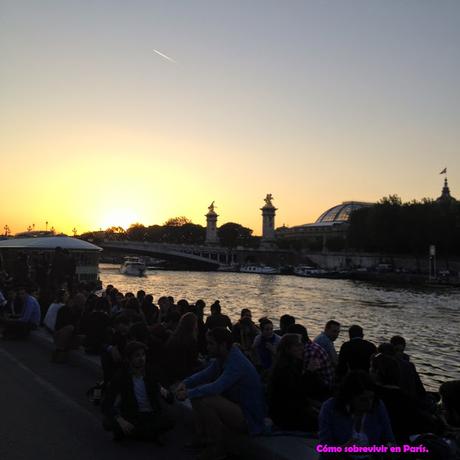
(429,320)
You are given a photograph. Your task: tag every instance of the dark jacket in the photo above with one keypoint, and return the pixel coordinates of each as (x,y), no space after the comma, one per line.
(67,316)
(218,320)
(355,355)
(119,398)
(289,394)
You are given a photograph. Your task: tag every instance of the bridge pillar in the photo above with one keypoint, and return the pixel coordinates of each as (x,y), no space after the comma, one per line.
(211,226)
(268,222)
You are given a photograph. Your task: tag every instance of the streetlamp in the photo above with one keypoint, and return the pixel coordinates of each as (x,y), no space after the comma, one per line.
(46,225)
(74,230)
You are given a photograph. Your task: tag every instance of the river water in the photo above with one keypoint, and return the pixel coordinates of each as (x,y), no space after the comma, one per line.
(428,319)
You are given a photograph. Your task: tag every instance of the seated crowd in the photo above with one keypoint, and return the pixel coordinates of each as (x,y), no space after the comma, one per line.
(242,378)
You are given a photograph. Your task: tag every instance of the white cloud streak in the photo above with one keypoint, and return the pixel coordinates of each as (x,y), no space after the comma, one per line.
(164,56)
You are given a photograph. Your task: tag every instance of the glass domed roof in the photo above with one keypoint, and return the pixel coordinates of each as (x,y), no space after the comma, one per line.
(341,212)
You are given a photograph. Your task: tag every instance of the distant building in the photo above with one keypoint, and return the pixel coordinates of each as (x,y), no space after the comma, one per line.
(445,197)
(330,225)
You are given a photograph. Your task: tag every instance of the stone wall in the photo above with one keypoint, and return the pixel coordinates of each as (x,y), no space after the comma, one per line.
(340,260)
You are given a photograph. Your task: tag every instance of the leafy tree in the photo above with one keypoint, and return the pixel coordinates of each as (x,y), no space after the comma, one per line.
(232,235)
(177,221)
(395,227)
(136,232)
(115,233)
(154,233)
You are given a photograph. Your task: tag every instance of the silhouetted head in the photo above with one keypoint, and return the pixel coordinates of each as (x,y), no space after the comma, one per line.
(219,342)
(332,329)
(385,369)
(355,331)
(246,313)
(215,307)
(300,330)
(266,327)
(285,322)
(290,346)
(356,393)
(399,343)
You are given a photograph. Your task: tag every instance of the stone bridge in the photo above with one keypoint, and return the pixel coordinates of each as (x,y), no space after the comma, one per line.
(211,257)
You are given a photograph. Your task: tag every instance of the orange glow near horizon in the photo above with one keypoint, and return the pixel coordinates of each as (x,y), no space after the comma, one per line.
(96,130)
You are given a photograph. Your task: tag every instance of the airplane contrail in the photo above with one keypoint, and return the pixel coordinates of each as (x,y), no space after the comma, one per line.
(164,56)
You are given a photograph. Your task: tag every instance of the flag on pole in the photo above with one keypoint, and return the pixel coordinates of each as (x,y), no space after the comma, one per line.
(444,171)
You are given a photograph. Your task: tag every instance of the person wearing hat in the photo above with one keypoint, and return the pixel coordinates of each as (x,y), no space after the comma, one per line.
(131,402)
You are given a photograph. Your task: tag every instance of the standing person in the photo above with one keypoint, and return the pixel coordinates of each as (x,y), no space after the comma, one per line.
(217,319)
(356,353)
(227,396)
(131,402)
(327,338)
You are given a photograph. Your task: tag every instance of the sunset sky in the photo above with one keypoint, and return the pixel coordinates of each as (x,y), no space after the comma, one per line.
(316,102)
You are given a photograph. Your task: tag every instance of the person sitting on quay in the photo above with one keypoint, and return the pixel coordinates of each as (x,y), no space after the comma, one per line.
(317,361)
(410,381)
(67,327)
(407,415)
(217,318)
(131,403)
(355,416)
(285,322)
(12,305)
(198,309)
(245,331)
(19,327)
(95,324)
(115,342)
(59,301)
(291,390)
(300,330)
(180,353)
(140,295)
(226,396)
(150,311)
(356,353)
(327,338)
(450,403)
(264,347)
(164,305)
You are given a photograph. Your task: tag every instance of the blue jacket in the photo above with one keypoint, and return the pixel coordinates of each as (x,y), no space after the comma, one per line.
(237,380)
(31,312)
(335,427)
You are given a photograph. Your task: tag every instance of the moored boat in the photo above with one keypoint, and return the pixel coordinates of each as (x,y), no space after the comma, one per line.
(259,269)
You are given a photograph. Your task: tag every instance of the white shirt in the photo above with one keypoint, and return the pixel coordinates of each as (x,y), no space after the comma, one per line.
(51,315)
(141,394)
